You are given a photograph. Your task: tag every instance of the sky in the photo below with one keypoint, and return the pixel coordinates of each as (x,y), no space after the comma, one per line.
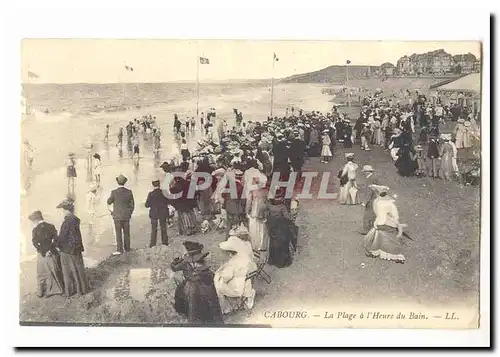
(104,61)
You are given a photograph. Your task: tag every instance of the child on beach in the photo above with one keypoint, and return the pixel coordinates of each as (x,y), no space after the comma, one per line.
(136,147)
(106,135)
(120,137)
(421,159)
(97,169)
(71,174)
(326,153)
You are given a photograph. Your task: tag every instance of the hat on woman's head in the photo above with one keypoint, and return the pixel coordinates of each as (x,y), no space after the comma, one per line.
(461,120)
(194,251)
(121,180)
(233,244)
(71,154)
(380,188)
(93,186)
(467,123)
(367,168)
(36,216)
(419,148)
(97,156)
(239,231)
(66,204)
(349,155)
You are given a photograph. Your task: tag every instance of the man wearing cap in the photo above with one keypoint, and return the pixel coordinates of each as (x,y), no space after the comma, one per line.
(122,200)
(157,203)
(369,196)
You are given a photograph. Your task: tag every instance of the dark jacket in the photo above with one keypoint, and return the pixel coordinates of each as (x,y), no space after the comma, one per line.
(157,204)
(44,236)
(69,240)
(122,200)
(196,298)
(370,194)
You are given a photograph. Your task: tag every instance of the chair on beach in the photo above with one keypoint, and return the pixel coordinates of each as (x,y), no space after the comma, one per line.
(260,256)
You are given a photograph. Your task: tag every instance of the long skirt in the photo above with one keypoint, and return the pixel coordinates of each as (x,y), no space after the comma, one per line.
(325,151)
(282,241)
(49,276)
(349,194)
(258,234)
(446,167)
(187,223)
(382,242)
(73,271)
(205,203)
(368,217)
(394,153)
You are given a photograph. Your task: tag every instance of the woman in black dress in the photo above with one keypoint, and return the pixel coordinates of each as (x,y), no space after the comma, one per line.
(282,234)
(70,246)
(48,268)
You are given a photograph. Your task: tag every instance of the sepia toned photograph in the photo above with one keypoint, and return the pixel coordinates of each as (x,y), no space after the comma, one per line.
(259,183)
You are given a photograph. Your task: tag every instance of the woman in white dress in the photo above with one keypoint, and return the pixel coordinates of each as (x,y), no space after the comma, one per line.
(230,279)
(257,209)
(326,153)
(460,133)
(384,239)
(349,194)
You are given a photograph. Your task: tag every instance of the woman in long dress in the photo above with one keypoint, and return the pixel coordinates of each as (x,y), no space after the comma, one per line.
(49,275)
(446,154)
(460,133)
(257,208)
(70,246)
(395,144)
(195,296)
(406,163)
(282,234)
(205,203)
(326,153)
(230,279)
(384,239)
(97,169)
(349,194)
(184,206)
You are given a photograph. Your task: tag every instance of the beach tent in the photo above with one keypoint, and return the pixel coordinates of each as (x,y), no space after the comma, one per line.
(465,90)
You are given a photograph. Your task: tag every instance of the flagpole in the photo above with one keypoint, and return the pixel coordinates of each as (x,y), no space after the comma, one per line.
(272,86)
(347,84)
(197,85)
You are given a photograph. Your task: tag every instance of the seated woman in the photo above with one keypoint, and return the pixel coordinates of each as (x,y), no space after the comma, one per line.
(195,296)
(384,239)
(282,234)
(230,279)
(49,274)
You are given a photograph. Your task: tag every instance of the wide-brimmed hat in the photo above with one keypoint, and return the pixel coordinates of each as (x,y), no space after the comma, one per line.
(66,204)
(239,231)
(467,123)
(121,180)
(194,251)
(419,148)
(233,243)
(219,172)
(71,154)
(165,165)
(380,188)
(367,168)
(93,186)
(36,216)
(349,154)
(461,120)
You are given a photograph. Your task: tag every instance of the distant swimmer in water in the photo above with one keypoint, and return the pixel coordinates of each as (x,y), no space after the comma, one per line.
(106,135)
(135,142)
(120,138)
(28,155)
(71,174)
(97,169)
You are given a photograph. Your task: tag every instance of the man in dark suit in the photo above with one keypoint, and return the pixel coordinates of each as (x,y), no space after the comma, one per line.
(157,203)
(122,200)
(370,196)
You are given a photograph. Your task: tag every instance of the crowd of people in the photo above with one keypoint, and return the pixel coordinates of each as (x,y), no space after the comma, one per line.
(257,220)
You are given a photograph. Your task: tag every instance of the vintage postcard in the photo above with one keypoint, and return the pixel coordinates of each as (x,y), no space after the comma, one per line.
(310,184)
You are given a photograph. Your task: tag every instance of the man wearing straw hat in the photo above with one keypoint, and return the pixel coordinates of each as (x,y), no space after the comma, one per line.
(122,201)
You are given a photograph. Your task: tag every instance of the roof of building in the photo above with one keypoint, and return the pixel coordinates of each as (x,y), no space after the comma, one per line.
(469,57)
(468,83)
(387,65)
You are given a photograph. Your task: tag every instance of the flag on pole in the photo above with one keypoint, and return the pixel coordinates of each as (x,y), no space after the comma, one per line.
(204,60)
(276,57)
(130,69)
(348,62)
(32,75)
